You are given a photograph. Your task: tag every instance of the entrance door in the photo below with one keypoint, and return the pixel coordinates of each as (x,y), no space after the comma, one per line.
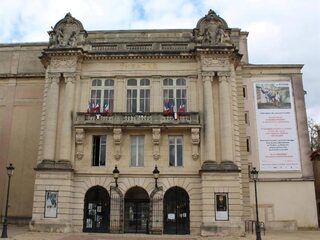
(176,218)
(96,210)
(136,211)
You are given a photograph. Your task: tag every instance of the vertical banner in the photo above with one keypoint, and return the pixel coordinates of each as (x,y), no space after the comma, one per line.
(221,206)
(51,201)
(276,126)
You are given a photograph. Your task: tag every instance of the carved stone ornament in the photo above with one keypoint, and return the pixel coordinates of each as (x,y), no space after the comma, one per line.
(67,33)
(79,143)
(156,134)
(212,30)
(195,140)
(213,62)
(117,134)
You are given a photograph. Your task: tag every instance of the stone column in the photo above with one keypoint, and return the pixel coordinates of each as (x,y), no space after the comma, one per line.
(52,105)
(225,117)
(209,132)
(66,124)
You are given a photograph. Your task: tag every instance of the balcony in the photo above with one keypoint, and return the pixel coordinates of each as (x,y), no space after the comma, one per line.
(136,119)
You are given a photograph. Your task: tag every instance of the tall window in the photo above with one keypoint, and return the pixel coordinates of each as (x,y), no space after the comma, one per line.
(99,150)
(137,151)
(138,95)
(102,96)
(175,151)
(175,94)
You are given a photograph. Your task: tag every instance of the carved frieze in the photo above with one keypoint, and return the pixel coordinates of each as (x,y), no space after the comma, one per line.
(117,135)
(195,141)
(156,135)
(79,138)
(67,33)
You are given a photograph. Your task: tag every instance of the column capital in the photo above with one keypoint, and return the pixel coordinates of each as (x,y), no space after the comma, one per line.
(207,77)
(207,74)
(69,77)
(53,77)
(224,74)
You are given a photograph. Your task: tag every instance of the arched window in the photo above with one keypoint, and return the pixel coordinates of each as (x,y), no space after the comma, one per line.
(175,95)
(102,96)
(138,95)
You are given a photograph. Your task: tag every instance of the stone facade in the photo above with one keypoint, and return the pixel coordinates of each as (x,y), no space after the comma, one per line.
(204,72)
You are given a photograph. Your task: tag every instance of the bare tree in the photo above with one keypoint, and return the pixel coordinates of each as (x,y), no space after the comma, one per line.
(313,129)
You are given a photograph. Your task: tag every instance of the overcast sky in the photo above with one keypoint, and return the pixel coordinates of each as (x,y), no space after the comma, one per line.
(281,31)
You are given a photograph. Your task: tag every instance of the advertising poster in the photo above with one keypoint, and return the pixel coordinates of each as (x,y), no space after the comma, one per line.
(51,199)
(276,126)
(221,206)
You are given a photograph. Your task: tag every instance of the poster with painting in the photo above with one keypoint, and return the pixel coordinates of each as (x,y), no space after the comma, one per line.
(221,206)
(51,202)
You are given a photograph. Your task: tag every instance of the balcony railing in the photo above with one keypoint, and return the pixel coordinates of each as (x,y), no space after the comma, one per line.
(136,119)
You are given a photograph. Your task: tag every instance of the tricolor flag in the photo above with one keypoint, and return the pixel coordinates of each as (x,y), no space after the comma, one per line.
(89,107)
(182,108)
(168,107)
(176,115)
(106,108)
(96,107)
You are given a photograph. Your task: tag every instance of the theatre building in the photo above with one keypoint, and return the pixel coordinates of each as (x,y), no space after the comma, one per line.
(152,131)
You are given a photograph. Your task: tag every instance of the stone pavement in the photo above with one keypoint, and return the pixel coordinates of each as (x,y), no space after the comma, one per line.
(22,233)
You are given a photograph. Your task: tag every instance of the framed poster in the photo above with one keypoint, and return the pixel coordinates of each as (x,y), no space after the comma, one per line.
(51,204)
(221,206)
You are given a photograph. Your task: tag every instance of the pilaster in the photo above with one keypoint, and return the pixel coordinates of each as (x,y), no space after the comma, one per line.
(225,117)
(52,105)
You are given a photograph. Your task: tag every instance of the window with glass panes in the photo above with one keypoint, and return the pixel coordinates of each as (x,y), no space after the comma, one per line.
(102,94)
(175,151)
(175,92)
(99,150)
(137,151)
(138,95)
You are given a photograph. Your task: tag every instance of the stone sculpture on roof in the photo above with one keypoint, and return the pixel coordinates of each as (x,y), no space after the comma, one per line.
(211,30)
(67,33)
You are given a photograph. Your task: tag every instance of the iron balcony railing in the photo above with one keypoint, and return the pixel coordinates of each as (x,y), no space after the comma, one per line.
(136,119)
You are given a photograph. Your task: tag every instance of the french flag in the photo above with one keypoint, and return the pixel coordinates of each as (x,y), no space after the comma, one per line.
(106,108)
(96,108)
(182,108)
(175,115)
(168,107)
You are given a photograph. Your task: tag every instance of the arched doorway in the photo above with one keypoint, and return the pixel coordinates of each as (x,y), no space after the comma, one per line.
(96,217)
(176,214)
(136,211)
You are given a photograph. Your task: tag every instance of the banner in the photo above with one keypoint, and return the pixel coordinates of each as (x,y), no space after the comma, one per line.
(276,126)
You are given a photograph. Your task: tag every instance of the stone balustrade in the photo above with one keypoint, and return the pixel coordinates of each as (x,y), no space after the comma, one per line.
(136,119)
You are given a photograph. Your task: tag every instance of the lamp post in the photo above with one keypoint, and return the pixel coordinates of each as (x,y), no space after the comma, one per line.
(156,173)
(254,175)
(116,174)
(4,234)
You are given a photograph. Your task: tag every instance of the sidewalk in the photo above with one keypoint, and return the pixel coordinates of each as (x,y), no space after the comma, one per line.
(22,233)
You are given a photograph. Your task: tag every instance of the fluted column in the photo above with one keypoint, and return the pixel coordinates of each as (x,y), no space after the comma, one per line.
(225,117)
(66,124)
(209,132)
(52,105)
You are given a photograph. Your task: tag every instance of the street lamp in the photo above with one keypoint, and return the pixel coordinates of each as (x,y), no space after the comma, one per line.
(4,234)
(116,174)
(156,173)
(254,176)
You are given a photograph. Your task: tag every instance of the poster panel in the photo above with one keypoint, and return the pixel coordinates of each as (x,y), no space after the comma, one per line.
(276,126)
(51,201)
(221,206)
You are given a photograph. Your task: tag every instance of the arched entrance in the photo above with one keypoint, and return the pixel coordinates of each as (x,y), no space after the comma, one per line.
(96,217)
(136,211)
(176,216)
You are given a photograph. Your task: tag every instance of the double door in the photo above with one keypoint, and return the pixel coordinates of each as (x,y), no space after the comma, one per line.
(136,219)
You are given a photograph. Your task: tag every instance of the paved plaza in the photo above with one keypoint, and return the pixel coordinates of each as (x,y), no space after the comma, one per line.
(22,233)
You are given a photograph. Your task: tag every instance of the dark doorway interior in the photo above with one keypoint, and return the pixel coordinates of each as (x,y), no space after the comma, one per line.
(96,210)
(176,216)
(136,211)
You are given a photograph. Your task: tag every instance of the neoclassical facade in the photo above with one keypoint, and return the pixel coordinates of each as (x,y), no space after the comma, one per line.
(113,107)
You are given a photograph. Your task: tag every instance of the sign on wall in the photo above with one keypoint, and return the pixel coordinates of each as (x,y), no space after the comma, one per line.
(221,206)
(276,126)
(51,202)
